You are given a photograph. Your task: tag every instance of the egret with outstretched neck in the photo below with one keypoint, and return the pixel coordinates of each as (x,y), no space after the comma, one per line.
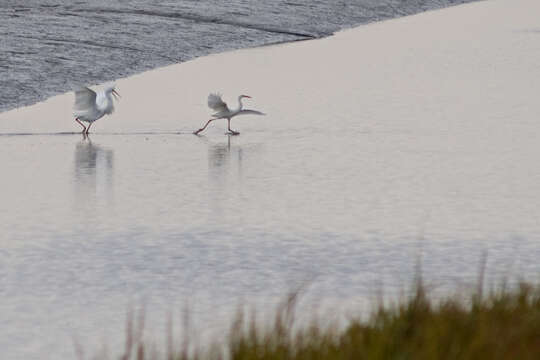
(223,112)
(91,106)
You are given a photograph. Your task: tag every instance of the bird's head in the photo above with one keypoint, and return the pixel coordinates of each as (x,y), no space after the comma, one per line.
(112,90)
(245,96)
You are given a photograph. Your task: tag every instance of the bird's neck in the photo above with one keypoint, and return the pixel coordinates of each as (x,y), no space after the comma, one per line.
(109,104)
(240,105)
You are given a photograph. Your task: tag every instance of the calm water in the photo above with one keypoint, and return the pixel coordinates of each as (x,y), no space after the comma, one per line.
(166,219)
(46,45)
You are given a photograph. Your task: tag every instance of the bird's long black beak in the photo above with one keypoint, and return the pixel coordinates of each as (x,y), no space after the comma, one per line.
(116,94)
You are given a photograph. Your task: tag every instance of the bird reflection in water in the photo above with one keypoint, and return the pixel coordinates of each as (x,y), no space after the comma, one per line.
(224,177)
(94,168)
(221,155)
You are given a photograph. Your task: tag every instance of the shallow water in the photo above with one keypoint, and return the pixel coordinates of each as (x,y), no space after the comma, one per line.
(161,220)
(50,46)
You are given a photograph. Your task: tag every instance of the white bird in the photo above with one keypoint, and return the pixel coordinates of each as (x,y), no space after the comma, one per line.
(91,106)
(223,112)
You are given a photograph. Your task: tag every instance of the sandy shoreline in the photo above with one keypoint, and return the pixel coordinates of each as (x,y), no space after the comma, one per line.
(46,48)
(361,64)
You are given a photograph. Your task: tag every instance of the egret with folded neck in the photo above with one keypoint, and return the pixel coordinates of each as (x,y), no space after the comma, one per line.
(91,105)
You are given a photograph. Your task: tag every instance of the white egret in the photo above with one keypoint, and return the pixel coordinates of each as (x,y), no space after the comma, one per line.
(91,106)
(223,112)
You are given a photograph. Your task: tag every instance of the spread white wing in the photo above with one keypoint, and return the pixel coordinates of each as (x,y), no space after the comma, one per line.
(250,112)
(85,99)
(216,103)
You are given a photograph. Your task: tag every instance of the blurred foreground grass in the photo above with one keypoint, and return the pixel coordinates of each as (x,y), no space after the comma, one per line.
(502,325)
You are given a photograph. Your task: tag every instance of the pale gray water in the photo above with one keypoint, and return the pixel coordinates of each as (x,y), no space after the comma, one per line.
(48,46)
(165,219)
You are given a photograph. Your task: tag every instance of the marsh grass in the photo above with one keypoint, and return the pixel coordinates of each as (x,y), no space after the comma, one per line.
(504,324)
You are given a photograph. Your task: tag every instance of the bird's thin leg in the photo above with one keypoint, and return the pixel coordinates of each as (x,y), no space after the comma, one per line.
(84,127)
(232,131)
(201,129)
(88,128)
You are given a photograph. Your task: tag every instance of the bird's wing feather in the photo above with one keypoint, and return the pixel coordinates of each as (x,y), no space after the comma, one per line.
(85,99)
(250,112)
(216,103)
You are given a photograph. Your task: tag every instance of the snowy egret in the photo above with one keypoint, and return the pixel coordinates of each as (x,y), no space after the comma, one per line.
(91,106)
(223,112)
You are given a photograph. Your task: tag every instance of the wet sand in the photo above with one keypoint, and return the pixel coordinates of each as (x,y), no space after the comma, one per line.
(46,46)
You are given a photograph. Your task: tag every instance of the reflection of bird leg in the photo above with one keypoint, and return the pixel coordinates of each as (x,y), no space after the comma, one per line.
(201,129)
(88,128)
(232,132)
(84,127)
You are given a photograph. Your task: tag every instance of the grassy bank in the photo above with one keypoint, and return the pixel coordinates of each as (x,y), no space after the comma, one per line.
(502,325)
